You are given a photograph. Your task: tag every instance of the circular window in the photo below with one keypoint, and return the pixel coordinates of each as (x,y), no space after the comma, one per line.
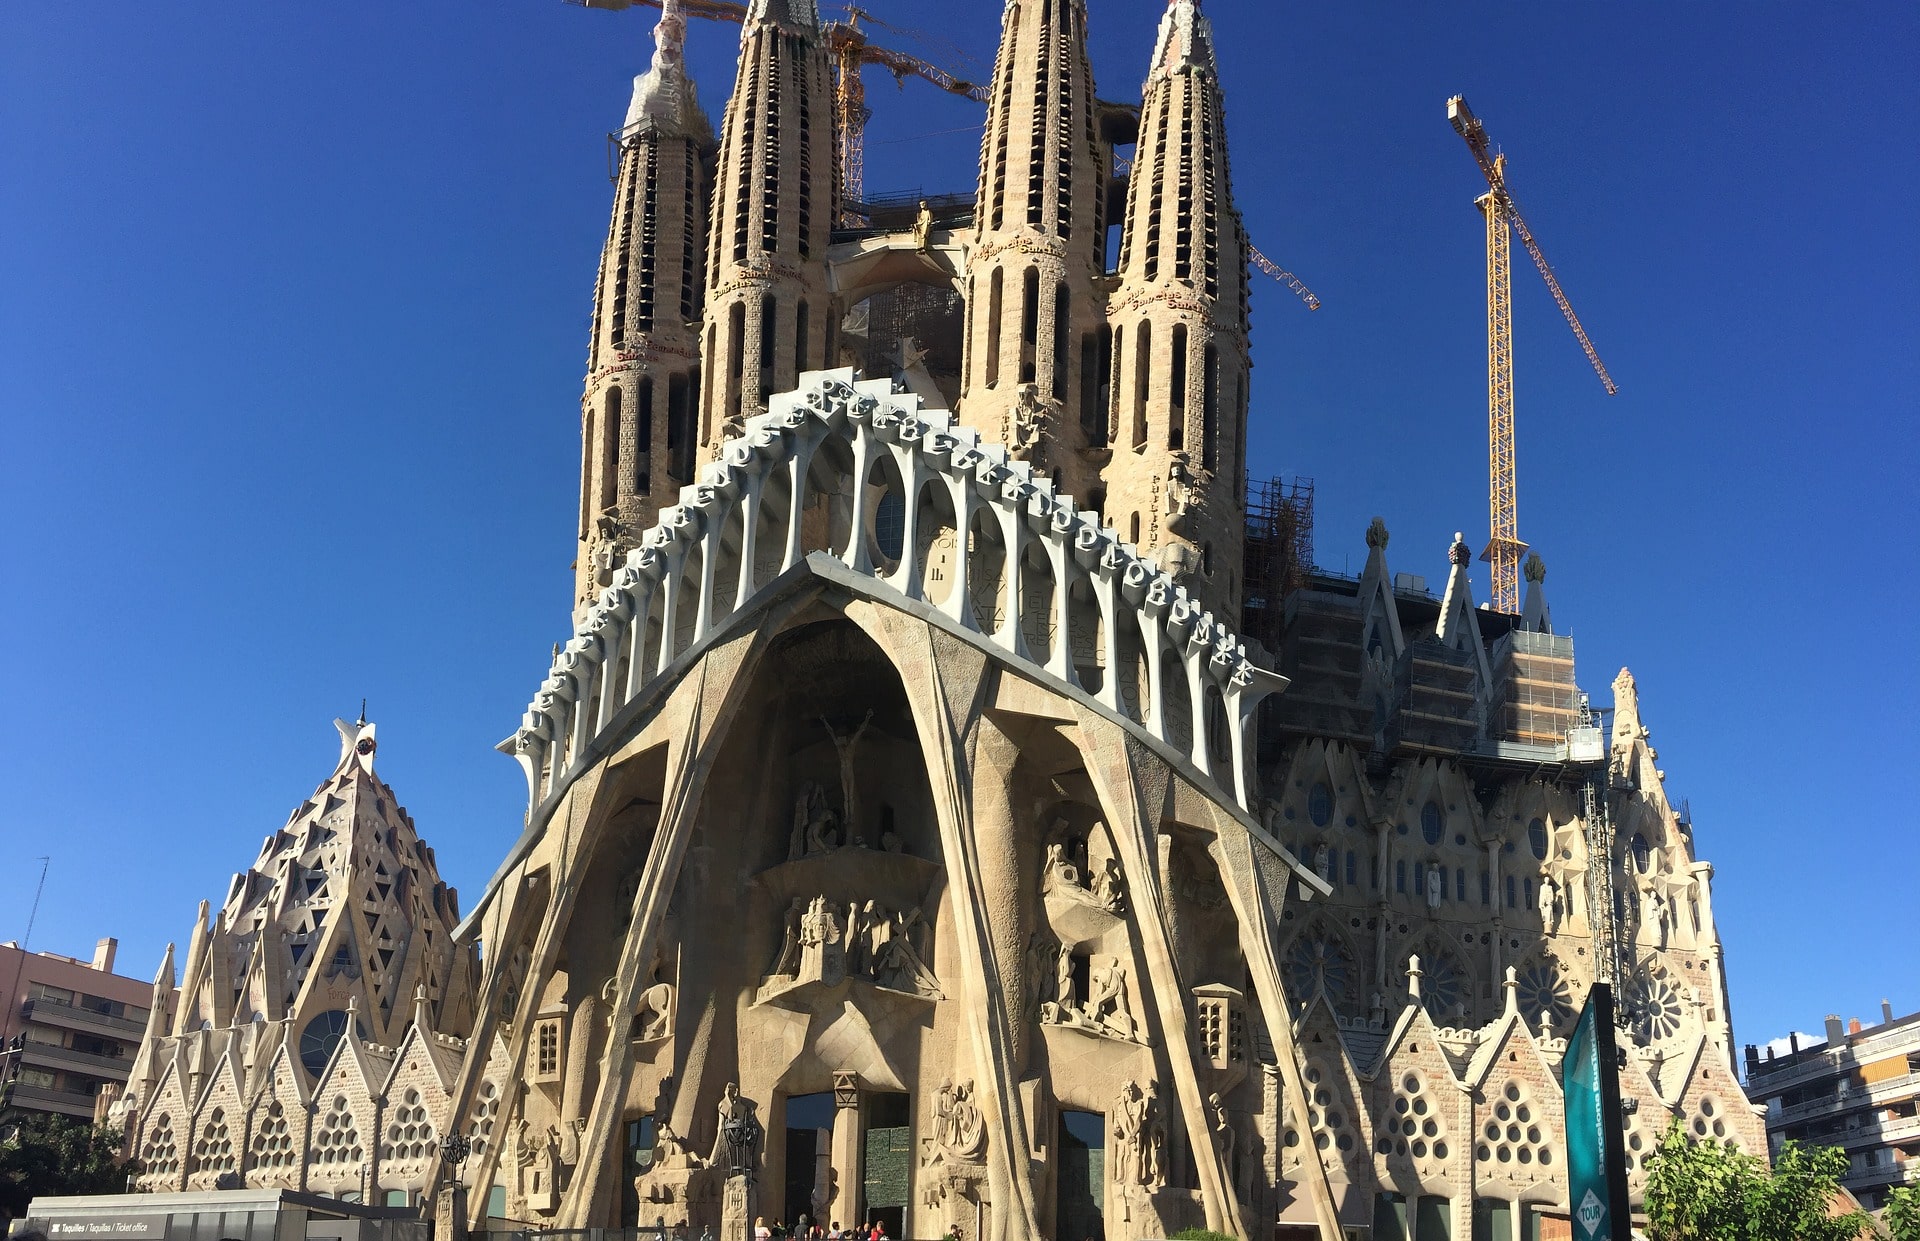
(1537,837)
(1320,805)
(1432,822)
(1642,853)
(321,1036)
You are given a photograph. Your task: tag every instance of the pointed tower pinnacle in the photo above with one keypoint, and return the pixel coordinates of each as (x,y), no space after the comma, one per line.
(643,369)
(1176,483)
(1035,339)
(769,315)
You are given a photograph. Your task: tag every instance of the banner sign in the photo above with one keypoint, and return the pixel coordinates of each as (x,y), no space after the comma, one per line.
(1596,1163)
(125,1227)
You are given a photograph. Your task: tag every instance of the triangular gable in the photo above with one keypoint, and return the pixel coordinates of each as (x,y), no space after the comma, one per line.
(165,1132)
(420,1048)
(1336,1105)
(1379,614)
(353,1065)
(284,1079)
(1459,628)
(223,1082)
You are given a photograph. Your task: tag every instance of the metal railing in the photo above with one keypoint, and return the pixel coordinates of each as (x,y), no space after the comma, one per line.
(1856,1096)
(86,1062)
(59,1010)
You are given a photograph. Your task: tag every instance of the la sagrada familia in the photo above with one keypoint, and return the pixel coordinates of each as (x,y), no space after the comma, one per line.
(912,834)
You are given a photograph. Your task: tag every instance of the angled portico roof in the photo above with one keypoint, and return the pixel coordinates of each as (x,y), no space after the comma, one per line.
(709,567)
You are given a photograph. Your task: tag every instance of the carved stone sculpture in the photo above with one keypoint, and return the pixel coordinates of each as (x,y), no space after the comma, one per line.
(1140,1136)
(1549,905)
(736,1145)
(1436,885)
(960,1131)
(1109,889)
(1108,1007)
(653,1008)
(849,790)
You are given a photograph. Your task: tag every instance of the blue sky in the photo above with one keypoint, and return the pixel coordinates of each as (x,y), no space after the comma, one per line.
(293,322)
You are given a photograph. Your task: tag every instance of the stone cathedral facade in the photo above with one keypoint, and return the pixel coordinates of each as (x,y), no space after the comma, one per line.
(912,833)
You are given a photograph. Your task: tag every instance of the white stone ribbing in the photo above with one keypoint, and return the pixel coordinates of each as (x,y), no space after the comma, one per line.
(815,452)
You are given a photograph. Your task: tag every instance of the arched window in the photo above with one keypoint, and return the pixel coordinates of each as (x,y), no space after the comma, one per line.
(1511,902)
(1029,323)
(769,326)
(1320,804)
(802,354)
(1460,885)
(1133,529)
(1537,837)
(1177,391)
(1642,853)
(1142,355)
(994,286)
(607,486)
(1353,868)
(890,524)
(1210,410)
(1433,823)
(643,438)
(1400,875)
(1062,350)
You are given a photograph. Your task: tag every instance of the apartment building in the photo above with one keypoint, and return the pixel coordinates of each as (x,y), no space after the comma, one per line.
(1859,1090)
(71,1028)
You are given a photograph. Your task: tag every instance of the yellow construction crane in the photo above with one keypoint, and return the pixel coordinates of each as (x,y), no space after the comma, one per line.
(1504,548)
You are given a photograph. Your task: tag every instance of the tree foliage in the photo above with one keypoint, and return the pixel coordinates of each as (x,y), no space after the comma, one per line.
(55,1155)
(1709,1191)
(1902,1216)
(1200,1234)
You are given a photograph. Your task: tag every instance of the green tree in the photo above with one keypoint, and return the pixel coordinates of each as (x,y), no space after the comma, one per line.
(54,1155)
(1902,1216)
(1709,1191)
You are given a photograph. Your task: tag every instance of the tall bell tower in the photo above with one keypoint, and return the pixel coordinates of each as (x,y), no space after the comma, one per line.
(769,315)
(1176,481)
(638,413)
(1034,306)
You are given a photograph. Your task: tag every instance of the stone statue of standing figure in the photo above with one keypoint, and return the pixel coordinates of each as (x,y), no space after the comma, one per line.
(849,794)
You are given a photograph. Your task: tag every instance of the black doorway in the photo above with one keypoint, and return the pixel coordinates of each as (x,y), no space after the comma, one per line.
(809,1146)
(1080,1197)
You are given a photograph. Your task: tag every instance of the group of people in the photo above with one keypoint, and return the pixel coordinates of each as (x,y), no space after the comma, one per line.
(805,1231)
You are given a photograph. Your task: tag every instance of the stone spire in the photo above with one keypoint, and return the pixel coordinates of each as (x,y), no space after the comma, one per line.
(769,315)
(343,907)
(643,370)
(1176,482)
(1034,351)
(1535,615)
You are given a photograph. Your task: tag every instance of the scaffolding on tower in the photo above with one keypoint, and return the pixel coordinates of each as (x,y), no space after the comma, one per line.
(1279,553)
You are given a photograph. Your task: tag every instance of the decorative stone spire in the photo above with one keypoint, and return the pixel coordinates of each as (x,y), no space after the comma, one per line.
(1535,616)
(1179,316)
(344,909)
(1035,345)
(769,315)
(1456,627)
(637,413)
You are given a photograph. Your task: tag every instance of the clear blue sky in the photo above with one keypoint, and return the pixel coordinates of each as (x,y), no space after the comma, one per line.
(293,322)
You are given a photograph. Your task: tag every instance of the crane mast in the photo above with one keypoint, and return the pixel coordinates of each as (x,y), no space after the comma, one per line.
(1504,548)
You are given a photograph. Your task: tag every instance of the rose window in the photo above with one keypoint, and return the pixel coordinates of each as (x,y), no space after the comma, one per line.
(1542,989)
(1656,1009)
(1317,963)
(1443,988)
